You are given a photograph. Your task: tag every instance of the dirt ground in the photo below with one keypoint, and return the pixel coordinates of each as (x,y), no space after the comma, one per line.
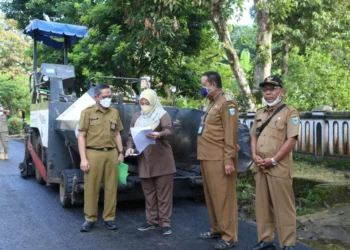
(328,229)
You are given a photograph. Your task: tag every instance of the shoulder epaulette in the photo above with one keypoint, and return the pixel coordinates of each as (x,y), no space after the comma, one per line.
(291,108)
(88,108)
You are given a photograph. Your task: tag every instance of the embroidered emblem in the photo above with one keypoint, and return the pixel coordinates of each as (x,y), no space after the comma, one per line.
(232,111)
(295,120)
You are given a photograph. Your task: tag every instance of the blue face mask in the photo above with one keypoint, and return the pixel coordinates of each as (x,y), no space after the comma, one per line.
(204,92)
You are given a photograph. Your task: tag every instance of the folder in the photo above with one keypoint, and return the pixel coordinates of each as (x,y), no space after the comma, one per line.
(122,173)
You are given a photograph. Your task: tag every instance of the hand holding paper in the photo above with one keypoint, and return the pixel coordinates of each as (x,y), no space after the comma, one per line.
(154,135)
(139,134)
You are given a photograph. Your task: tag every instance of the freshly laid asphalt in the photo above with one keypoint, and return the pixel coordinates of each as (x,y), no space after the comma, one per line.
(31,217)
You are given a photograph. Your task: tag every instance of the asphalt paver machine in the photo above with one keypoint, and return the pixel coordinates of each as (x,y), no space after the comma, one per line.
(52,153)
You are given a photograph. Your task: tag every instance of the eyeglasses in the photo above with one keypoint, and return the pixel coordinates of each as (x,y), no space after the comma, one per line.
(271,89)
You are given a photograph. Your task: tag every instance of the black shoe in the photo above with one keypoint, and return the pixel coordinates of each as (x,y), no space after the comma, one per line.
(166,230)
(289,248)
(146,227)
(264,245)
(87,226)
(111,225)
(223,245)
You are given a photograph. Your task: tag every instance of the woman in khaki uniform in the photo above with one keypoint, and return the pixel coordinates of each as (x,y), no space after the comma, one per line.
(156,163)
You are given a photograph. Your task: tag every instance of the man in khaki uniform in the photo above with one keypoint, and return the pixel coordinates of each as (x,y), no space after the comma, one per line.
(218,153)
(101,149)
(272,153)
(4,133)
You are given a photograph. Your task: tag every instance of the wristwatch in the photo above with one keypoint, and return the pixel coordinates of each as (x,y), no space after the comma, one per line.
(273,161)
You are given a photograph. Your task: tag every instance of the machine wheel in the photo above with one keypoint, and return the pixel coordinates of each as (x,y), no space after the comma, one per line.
(40,151)
(26,166)
(66,187)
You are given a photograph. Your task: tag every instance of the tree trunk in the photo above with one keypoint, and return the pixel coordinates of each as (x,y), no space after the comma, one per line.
(263,59)
(285,54)
(220,23)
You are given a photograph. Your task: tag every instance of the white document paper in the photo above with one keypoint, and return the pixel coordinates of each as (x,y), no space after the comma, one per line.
(139,134)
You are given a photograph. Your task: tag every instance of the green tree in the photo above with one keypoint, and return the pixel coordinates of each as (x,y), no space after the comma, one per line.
(14,65)
(14,94)
(130,38)
(317,78)
(13,58)
(311,24)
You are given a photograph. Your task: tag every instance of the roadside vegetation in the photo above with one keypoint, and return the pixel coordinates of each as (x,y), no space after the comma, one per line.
(316,187)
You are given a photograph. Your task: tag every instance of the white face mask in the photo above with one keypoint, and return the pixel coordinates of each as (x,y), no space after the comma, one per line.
(271,104)
(146,109)
(106,103)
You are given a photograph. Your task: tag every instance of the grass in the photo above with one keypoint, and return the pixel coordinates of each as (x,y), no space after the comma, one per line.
(320,173)
(308,196)
(246,194)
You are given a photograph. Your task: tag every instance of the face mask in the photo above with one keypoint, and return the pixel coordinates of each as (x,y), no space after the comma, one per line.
(146,109)
(271,104)
(106,102)
(205,92)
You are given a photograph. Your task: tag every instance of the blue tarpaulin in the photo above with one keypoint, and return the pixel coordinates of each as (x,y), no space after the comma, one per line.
(44,31)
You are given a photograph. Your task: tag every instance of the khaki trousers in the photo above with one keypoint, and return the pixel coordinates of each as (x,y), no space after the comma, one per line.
(103,167)
(158,193)
(4,145)
(274,204)
(220,197)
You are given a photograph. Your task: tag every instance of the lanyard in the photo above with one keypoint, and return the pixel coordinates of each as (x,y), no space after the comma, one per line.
(209,108)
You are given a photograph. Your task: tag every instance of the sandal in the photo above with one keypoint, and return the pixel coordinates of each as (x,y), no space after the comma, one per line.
(221,244)
(209,235)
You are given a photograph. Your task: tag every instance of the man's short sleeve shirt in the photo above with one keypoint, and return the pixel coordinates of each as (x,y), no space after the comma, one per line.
(100,127)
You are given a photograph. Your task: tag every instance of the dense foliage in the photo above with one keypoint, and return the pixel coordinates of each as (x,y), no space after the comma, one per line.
(14,125)
(174,42)
(14,67)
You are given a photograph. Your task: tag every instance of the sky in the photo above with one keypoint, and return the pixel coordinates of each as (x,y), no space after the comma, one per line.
(245,19)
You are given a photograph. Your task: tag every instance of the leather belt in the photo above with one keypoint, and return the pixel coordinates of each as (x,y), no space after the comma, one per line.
(100,149)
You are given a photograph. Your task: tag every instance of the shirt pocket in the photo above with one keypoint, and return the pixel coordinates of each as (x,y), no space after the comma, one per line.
(278,129)
(213,117)
(95,127)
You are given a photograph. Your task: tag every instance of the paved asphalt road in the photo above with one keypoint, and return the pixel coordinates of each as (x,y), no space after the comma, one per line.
(31,217)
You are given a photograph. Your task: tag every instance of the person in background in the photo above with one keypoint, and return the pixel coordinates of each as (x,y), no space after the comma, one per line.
(4,133)
(156,163)
(101,149)
(218,154)
(272,143)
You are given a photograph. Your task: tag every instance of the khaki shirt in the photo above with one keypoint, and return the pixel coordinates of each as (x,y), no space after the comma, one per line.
(284,125)
(219,138)
(3,123)
(101,127)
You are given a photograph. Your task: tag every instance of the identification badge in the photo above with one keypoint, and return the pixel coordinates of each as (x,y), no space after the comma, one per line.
(200,129)
(112,126)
